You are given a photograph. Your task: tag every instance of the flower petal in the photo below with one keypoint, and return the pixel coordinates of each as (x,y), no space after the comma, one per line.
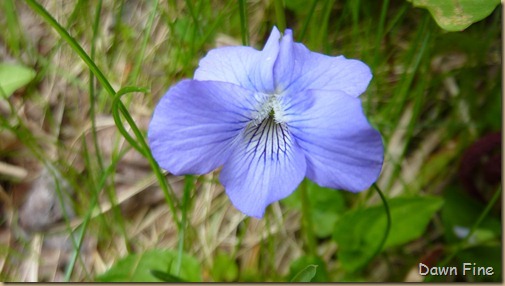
(343,151)
(244,66)
(195,123)
(297,69)
(265,166)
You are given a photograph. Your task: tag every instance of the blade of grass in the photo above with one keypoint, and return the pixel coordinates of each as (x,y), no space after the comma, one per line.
(147,34)
(401,97)
(279,15)
(87,218)
(380,31)
(142,148)
(242,6)
(323,32)
(78,8)
(26,136)
(193,14)
(310,238)
(92,94)
(188,186)
(12,21)
(307,20)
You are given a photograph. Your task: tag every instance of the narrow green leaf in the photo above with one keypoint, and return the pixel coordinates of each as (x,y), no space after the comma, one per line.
(12,77)
(306,274)
(457,15)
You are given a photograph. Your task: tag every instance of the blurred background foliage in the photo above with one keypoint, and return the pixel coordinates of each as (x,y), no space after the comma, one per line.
(78,203)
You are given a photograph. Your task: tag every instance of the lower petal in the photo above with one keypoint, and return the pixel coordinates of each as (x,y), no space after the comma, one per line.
(343,150)
(265,166)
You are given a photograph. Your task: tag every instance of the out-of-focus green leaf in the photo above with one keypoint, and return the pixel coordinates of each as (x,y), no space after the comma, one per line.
(359,232)
(165,277)
(140,267)
(326,206)
(299,6)
(493,111)
(483,256)
(460,212)
(457,15)
(12,77)
(300,265)
(306,274)
(224,268)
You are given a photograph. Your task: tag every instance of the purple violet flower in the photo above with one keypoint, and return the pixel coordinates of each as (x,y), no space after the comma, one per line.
(270,118)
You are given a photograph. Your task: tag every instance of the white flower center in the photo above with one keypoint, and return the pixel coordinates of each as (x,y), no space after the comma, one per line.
(267,136)
(271,108)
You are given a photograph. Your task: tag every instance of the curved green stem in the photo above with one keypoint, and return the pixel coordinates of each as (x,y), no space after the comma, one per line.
(388,215)
(115,114)
(143,148)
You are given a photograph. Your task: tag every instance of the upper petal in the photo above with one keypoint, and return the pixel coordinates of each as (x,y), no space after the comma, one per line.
(297,69)
(343,151)
(194,124)
(244,66)
(265,166)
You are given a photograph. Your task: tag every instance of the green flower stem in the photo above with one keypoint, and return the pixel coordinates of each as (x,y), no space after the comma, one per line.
(167,190)
(388,215)
(279,14)
(307,219)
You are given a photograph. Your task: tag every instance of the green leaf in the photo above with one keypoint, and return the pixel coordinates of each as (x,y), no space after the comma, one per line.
(165,277)
(457,15)
(224,268)
(359,232)
(460,212)
(306,274)
(13,77)
(140,268)
(299,266)
(487,256)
